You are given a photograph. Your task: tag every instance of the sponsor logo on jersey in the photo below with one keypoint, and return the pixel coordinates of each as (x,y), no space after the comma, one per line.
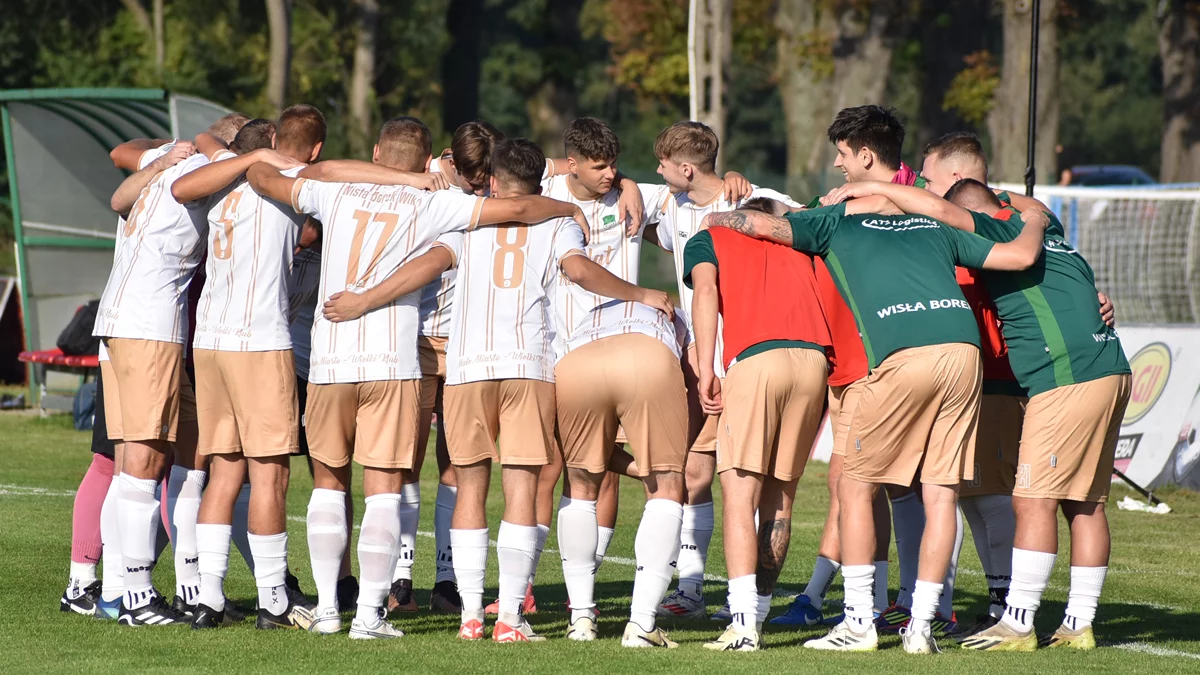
(1151,367)
(946,303)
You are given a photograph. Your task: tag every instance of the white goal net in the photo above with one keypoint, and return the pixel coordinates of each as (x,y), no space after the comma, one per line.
(1143,244)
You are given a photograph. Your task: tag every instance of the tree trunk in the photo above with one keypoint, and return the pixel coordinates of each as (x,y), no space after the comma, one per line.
(363,77)
(712,53)
(1179,47)
(952,28)
(462,65)
(279,20)
(1008,122)
(140,15)
(160,45)
(556,101)
(805,70)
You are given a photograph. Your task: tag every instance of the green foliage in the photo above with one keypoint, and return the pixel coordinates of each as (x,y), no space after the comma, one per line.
(972,92)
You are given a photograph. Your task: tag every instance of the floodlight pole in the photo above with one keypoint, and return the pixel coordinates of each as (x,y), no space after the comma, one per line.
(1030,169)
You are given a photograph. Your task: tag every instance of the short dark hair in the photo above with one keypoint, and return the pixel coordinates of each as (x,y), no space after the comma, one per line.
(958,144)
(873,127)
(300,128)
(405,143)
(254,135)
(472,151)
(973,195)
(589,138)
(519,163)
(688,141)
(765,205)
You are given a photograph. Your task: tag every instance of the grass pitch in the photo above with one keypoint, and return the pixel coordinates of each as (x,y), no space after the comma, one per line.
(1149,618)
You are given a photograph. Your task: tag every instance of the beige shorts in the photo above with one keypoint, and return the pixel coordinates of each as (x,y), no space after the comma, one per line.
(431,352)
(246,402)
(147,392)
(918,410)
(1069,440)
(843,401)
(518,413)
(773,404)
(373,422)
(630,382)
(996,446)
(702,429)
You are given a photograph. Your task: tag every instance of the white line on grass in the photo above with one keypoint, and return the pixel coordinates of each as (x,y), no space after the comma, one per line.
(1143,648)
(26,491)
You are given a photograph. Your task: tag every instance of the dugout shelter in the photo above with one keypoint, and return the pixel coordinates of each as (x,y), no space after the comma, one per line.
(56,144)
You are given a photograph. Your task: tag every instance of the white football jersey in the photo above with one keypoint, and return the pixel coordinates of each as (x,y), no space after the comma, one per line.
(580,316)
(369,232)
(436,297)
(679,221)
(157,250)
(302,305)
(502,320)
(244,305)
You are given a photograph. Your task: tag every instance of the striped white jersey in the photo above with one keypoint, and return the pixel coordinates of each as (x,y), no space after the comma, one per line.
(302,305)
(581,316)
(679,221)
(436,297)
(157,250)
(369,232)
(503,325)
(244,304)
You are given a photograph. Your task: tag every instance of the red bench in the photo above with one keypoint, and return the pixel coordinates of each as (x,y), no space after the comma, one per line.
(54,360)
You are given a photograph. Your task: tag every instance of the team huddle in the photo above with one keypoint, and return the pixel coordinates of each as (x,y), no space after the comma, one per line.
(957,342)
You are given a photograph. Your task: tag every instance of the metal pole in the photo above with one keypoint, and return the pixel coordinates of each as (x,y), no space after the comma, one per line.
(1030,169)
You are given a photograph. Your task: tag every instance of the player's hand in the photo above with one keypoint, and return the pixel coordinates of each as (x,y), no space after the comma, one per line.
(848,191)
(583,224)
(433,182)
(275,159)
(630,207)
(1035,218)
(658,300)
(736,187)
(1107,312)
(710,393)
(344,306)
(181,151)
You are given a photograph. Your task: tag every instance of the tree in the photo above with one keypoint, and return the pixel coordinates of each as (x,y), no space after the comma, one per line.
(1179,46)
(711,30)
(160,38)
(363,77)
(462,64)
(1008,122)
(805,83)
(279,21)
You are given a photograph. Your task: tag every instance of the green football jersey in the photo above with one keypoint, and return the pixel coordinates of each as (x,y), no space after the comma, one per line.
(1050,312)
(896,274)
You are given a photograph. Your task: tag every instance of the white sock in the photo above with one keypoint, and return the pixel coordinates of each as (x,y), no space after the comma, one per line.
(138,518)
(743,600)
(515,547)
(183,523)
(270,570)
(241,526)
(603,539)
(655,547)
(1086,584)
(1031,575)
(908,524)
(328,534)
(443,511)
(997,511)
(764,609)
(693,547)
(824,571)
(881,586)
(577,542)
(212,545)
(946,601)
(410,517)
(543,535)
(111,584)
(925,601)
(378,547)
(82,576)
(860,595)
(470,563)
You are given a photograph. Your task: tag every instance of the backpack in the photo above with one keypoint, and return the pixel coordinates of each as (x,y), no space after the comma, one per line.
(77,339)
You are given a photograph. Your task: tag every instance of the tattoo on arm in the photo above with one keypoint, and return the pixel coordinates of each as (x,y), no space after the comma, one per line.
(734,220)
(774,536)
(754,224)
